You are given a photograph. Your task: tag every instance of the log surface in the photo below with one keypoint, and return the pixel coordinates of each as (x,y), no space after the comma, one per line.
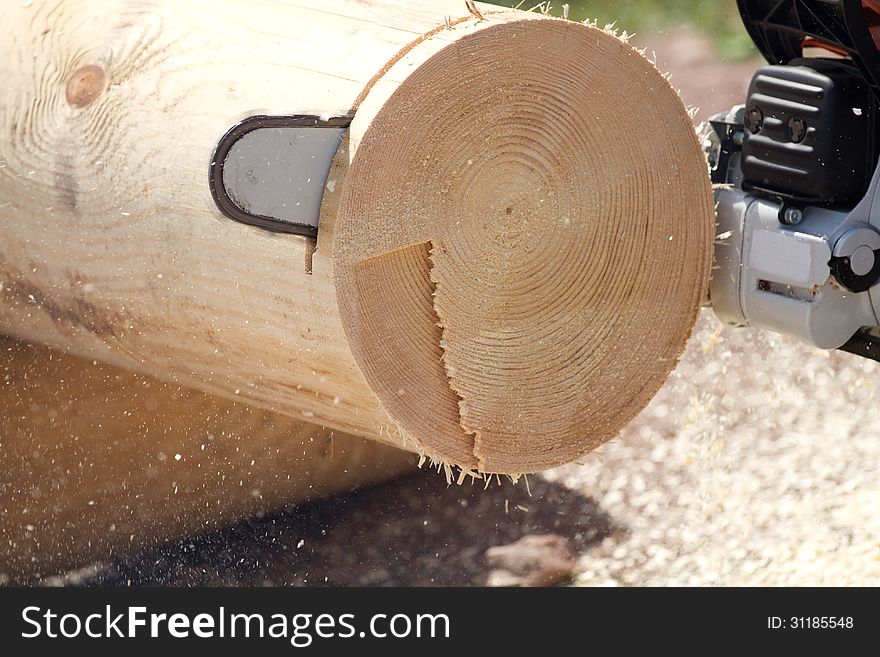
(111,245)
(513,242)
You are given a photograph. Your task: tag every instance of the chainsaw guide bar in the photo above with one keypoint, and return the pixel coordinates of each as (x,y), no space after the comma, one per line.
(270,171)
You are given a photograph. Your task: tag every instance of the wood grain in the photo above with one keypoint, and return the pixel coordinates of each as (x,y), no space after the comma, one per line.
(549,170)
(557,179)
(111,245)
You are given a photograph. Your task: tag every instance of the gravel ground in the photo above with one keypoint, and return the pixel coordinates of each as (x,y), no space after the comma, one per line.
(756,464)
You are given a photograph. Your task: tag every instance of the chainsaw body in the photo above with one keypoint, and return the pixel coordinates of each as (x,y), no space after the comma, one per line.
(797,178)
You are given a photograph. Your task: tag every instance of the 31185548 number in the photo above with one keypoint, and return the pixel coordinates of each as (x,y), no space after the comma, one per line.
(810,622)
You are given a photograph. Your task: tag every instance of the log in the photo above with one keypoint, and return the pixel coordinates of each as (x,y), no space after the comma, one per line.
(99,461)
(514,240)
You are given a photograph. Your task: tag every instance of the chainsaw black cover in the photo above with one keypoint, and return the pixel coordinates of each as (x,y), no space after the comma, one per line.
(810,133)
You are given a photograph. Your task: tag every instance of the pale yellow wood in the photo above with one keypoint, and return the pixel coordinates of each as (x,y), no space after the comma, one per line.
(99,461)
(111,247)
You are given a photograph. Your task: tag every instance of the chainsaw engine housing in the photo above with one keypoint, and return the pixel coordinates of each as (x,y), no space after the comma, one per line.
(798,186)
(810,133)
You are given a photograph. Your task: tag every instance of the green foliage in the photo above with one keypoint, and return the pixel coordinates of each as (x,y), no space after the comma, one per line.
(718,19)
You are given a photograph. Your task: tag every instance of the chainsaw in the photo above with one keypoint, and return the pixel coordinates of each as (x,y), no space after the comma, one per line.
(796,178)
(795,171)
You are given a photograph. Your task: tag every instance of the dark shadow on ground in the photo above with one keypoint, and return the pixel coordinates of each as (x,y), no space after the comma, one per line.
(415,531)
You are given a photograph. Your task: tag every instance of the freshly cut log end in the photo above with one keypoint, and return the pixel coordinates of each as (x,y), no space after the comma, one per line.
(522,243)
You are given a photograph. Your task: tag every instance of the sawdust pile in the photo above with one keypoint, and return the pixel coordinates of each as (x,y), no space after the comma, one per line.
(757,464)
